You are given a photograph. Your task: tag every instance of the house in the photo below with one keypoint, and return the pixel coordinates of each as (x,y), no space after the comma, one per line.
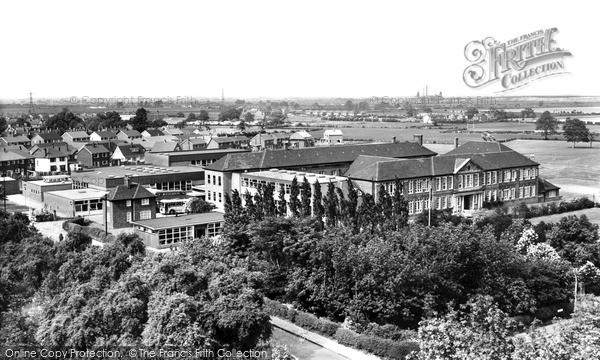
(45,138)
(196,143)
(333,136)
(129,202)
(61,146)
(15,140)
(172,131)
(128,154)
(262,141)
(224,174)
(165,146)
(148,133)
(71,137)
(169,232)
(103,135)
(93,155)
(129,135)
(51,160)
(301,139)
(461,180)
(16,163)
(225,142)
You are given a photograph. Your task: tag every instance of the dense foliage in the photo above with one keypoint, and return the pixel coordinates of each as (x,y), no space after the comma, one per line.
(86,297)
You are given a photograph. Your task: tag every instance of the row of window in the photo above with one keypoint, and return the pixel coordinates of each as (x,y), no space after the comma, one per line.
(91,205)
(203,162)
(174,185)
(439,203)
(214,196)
(144,215)
(145,202)
(216,180)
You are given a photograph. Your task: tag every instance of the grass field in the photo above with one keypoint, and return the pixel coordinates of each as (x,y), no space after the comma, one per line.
(592,214)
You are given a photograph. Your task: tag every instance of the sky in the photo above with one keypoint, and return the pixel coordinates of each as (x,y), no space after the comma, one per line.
(277,49)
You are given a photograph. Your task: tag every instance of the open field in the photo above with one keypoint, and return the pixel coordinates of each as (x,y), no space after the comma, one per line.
(576,171)
(592,214)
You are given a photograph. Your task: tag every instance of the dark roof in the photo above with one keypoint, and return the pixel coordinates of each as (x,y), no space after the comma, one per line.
(181,220)
(229,139)
(51,152)
(13,154)
(133,191)
(270,159)
(131,150)
(95,149)
(106,134)
(479,147)
(545,185)
(281,135)
(131,133)
(77,134)
(390,169)
(154,132)
(49,136)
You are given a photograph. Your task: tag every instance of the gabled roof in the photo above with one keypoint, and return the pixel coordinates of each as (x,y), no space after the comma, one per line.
(133,191)
(94,149)
(302,134)
(154,132)
(133,150)
(270,159)
(281,135)
(49,136)
(106,134)
(131,133)
(15,139)
(479,147)
(390,169)
(161,146)
(77,134)
(7,154)
(334,132)
(545,185)
(51,152)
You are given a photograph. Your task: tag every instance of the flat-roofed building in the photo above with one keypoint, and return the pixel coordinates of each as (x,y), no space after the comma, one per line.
(170,232)
(74,202)
(186,158)
(150,176)
(35,190)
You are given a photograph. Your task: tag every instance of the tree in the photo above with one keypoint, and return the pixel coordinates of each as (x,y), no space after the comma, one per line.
(295,205)
(332,211)
(242,125)
(180,114)
(348,105)
(527,113)
(63,121)
(305,198)
(547,123)
(191,117)
(318,202)
(198,206)
(248,117)
(231,113)
(471,112)
(575,130)
(282,205)
(576,240)
(203,115)
(3,124)
(480,330)
(140,121)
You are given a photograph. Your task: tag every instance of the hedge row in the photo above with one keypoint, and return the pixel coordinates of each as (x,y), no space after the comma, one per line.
(528,212)
(373,344)
(74,226)
(544,314)
(376,345)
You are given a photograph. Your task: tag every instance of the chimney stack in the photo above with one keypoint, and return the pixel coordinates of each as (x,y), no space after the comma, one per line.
(418,138)
(127,181)
(455,143)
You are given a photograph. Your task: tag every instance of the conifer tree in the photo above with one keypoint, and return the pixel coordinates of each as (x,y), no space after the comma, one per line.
(318,202)
(331,205)
(306,196)
(399,207)
(282,209)
(294,201)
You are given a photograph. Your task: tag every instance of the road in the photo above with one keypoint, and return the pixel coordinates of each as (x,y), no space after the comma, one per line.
(302,348)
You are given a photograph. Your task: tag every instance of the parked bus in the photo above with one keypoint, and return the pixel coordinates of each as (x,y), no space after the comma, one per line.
(172,206)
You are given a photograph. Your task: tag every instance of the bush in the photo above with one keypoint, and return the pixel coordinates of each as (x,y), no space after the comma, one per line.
(376,345)
(44,217)
(390,331)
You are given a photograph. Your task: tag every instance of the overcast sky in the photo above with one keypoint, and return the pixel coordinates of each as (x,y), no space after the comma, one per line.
(277,48)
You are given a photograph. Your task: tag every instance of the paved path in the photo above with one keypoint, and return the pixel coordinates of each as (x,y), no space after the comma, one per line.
(312,342)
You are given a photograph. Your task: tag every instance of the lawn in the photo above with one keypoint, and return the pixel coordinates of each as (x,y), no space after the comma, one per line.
(576,171)
(592,214)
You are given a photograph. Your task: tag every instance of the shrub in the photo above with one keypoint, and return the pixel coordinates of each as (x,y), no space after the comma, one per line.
(44,217)
(376,345)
